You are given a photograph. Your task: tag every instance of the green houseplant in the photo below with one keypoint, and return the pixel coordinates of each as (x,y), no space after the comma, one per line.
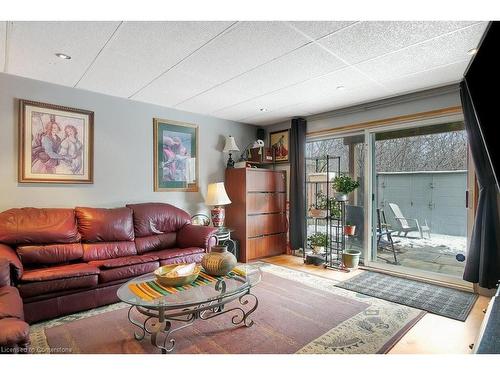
(319,209)
(318,242)
(344,185)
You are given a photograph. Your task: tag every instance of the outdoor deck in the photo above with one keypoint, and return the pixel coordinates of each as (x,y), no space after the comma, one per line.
(437,254)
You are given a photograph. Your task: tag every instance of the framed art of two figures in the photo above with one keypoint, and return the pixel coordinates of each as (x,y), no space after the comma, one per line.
(56,145)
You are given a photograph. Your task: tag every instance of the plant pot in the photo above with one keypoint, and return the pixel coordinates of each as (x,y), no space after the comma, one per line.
(350,258)
(349,230)
(340,197)
(318,249)
(317,213)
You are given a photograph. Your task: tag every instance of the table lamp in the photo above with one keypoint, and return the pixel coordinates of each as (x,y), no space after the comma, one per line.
(217,197)
(230,146)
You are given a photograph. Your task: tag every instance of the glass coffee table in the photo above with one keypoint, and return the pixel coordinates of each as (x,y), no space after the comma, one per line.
(201,302)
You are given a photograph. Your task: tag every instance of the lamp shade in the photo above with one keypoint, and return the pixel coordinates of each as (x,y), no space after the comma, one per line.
(216,195)
(230,144)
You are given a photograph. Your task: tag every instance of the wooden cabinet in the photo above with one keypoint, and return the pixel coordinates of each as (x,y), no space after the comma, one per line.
(257,212)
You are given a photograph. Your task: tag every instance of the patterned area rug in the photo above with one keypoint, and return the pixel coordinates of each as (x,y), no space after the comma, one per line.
(448,302)
(298,313)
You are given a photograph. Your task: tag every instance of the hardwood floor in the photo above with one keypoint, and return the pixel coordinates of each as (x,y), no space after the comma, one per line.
(433,334)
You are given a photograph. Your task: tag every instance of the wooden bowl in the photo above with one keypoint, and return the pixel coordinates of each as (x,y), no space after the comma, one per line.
(175,281)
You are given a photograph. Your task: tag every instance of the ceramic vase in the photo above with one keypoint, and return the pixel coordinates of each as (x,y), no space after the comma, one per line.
(219,261)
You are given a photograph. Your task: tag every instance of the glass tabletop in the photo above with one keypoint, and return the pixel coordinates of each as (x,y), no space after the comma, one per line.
(247,277)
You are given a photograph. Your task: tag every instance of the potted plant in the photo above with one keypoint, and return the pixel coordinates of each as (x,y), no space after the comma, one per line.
(335,210)
(319,210)
(344,185)
(318,242)
(350,258)
(349,229)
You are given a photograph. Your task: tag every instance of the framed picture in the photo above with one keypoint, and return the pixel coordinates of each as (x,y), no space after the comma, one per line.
(55,144)
(280,145)
(175,156)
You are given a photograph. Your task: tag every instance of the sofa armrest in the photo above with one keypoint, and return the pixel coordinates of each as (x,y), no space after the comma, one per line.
(16,267)
(196,236)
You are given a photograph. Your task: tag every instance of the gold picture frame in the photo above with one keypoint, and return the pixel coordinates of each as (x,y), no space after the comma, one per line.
(56,144)
(279,143)
(175,156)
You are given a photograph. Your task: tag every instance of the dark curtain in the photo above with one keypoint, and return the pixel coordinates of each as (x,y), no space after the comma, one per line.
(483,260)
(297,215)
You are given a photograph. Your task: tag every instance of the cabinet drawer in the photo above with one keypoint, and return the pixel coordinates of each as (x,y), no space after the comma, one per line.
(266,246)
(266,181)
(258,225)
(259,203)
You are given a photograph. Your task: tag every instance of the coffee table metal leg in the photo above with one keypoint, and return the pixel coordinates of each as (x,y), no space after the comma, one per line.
(165,328)
(244,300)
(162,330)
(138,336)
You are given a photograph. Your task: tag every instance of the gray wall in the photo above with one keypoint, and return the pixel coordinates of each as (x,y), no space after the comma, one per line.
(123,149)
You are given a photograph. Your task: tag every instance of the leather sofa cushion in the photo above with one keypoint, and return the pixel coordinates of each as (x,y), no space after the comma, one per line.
(38,226)
(14,333)
(11,305)
(49,254)
(176,253)
(155,242)
(38,288)
(59,272)
(192,258)
(105,224)
(4,272)
(157,218)
(127,272)
(125,261)
(108,250)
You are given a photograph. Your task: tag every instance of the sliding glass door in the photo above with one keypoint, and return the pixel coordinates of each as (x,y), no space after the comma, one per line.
(419,176)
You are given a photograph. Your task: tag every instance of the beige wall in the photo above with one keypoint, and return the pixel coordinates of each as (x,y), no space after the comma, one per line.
(123,156)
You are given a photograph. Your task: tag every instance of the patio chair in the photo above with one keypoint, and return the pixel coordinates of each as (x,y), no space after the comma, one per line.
(383,229)
(406,224)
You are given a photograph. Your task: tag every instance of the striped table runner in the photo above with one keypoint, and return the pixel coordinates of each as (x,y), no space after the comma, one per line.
(151,290)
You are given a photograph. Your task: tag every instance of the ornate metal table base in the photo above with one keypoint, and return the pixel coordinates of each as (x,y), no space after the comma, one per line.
(159,320)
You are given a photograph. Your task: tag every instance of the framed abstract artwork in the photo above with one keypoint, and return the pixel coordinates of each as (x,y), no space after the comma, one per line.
(175,156)
(280,145)
(55,144)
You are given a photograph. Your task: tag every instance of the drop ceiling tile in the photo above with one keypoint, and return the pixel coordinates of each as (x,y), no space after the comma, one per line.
(440,76)
(3,33)
(281,114)
(140,51)
(425,56)
(242,48)
(313,89)
(32,46)
(340,99)
(367,40)
(318,29)
(300,65)
(170,89)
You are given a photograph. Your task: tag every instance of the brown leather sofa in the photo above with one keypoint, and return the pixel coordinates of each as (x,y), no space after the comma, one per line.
(14,331)
(61,261)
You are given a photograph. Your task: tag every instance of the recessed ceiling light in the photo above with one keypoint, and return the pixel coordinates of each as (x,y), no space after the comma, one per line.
(472,51)
(340,87)
(263,109)
(63,56)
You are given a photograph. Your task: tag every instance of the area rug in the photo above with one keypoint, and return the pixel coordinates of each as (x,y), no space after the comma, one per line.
(448,302)
(297,313)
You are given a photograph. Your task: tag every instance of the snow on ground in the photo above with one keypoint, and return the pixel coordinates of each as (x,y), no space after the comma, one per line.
(442,243)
